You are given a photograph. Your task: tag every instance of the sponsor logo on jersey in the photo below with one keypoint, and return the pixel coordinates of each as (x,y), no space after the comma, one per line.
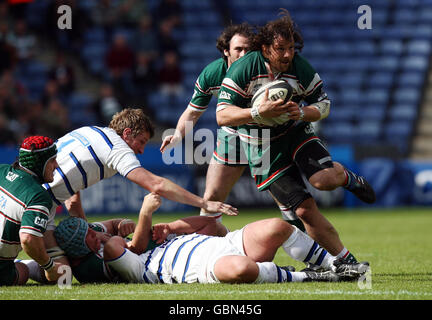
(41,222)
(225,95)
(11,176)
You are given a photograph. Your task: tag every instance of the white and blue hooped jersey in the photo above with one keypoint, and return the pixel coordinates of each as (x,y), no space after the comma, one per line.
(86,156)
(183,259)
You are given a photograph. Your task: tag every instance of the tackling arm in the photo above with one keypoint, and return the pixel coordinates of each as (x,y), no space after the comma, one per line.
(174,192)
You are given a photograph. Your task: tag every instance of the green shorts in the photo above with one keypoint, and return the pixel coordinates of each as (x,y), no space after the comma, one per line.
(8,273)
(228,149)
(270,161)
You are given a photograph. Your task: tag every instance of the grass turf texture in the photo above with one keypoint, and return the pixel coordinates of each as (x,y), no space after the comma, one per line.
(396,242)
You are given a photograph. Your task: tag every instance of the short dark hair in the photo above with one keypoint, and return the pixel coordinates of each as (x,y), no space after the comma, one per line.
(223,42)
(284,27)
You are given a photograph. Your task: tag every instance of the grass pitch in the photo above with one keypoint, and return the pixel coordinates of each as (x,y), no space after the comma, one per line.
(396,242)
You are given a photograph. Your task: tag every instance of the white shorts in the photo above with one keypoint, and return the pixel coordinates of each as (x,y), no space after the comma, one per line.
(184,259)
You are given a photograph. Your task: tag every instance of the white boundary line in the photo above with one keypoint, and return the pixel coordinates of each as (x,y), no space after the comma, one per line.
(164,293)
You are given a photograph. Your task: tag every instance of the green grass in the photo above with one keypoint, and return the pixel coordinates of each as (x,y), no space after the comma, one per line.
(396,242)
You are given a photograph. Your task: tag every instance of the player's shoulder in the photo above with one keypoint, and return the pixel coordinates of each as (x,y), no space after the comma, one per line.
(213,73)
(247,67)
(301,63)
(251,59)
(303,70)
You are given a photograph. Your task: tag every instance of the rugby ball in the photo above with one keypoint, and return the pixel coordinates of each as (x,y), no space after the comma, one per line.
(278,89)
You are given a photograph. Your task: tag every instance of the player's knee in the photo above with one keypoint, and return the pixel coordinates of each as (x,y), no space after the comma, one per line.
(277,229)
(114,248)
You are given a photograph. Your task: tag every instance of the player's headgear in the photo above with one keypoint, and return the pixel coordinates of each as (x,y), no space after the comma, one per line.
(71,234)
(34,153)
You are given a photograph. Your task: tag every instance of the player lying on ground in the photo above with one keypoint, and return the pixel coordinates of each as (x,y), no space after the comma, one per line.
(188,251)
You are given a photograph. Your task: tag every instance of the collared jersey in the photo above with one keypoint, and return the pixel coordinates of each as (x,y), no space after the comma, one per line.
(86,156)
(252,71)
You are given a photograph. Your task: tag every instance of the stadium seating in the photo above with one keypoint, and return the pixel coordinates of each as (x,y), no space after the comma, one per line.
(365,72)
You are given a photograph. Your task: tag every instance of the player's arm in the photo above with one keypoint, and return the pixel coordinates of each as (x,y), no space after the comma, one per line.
(228,114)
(174,192)
(194,224)
(120,227)
(74,206)
(34,247)
(186,122)
(142,233)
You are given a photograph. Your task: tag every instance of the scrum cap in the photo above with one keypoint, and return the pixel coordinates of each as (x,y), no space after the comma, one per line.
(71,234)
(34,153)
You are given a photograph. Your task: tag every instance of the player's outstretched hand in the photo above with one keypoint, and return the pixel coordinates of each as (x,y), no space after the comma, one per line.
(169,142)
(217,206)
(160,232)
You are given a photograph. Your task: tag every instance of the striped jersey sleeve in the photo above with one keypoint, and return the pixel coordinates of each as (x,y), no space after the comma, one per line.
(207,85)
(242,79)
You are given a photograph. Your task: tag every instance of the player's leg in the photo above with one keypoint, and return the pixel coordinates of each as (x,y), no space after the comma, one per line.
(226,167)
(290,191)
(261,239)
(240,269)
(13,273)
(219,181)
(289,215)
(236,269)
(322,173)
(23,273)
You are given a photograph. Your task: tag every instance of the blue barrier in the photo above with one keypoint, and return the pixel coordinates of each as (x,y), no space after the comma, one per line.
(396,182)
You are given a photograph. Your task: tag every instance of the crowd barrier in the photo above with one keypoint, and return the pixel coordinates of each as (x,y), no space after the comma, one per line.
(396,182)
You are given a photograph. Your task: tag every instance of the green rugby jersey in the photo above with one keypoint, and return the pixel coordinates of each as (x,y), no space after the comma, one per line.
(208,84)
(24,207)
(248,74)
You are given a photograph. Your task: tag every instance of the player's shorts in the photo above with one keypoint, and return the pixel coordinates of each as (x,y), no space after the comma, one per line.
(8,273)
(298,147)
(228,148)
(183,259)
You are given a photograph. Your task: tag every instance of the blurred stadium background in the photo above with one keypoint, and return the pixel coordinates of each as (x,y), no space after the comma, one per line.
(148,53)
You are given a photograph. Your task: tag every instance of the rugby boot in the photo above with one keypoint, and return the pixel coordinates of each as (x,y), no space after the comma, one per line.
(349,271)
(360,187)
(324,276)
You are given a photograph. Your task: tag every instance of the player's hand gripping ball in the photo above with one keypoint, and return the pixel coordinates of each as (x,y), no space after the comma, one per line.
(278,89)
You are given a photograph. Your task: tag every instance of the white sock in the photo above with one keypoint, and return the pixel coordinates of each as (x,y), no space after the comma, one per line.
(301,247)
(343,253)
(35,271)
(217,216)
(269,272)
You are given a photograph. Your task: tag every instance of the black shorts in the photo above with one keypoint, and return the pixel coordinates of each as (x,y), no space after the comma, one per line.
(313,157)
(290,189)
